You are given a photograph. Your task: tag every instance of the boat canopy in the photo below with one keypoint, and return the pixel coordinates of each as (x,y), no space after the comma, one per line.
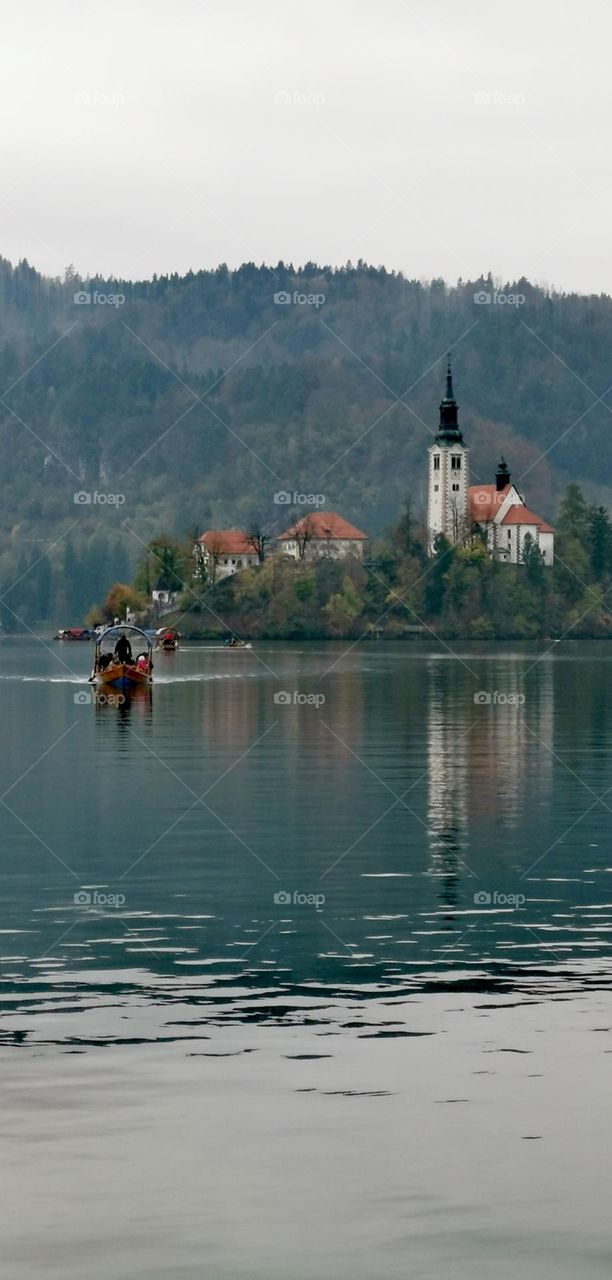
(111,635)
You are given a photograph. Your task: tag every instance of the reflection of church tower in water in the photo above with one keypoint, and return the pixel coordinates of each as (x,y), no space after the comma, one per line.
(447,777)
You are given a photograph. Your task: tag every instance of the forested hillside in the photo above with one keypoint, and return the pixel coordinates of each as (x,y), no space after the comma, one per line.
(191,401)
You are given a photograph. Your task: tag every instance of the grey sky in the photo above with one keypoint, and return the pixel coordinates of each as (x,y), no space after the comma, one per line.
(144,136)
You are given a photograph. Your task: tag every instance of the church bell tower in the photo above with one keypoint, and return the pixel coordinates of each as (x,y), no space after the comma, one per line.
(448,482)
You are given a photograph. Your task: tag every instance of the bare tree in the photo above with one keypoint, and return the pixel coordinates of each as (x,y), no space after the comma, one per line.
(303,533)
(461,529)
(259,538)
(212,550)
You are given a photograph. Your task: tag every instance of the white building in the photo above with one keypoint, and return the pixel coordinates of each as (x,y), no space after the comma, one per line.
(222,552)
(321,534)
(500,511)
(447,503)
(162,597)
(455,507)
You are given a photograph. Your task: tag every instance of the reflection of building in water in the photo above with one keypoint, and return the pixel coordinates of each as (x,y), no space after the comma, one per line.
(447,783)
(486,759)
(511,742)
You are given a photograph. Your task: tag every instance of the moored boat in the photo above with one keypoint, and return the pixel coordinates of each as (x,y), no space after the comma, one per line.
(115,664)
(74,633)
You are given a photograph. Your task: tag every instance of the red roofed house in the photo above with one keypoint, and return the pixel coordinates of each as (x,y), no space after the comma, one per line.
(321,533)
(225,551)
(500,511)
(454,506)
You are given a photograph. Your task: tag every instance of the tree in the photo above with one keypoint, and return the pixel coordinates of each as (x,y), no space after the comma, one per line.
(302,532)
(258,538)
(163,566)
(403,534)
(599,542)
(435,583)
(209,555)
(533,560)
(573,519)
(119,599)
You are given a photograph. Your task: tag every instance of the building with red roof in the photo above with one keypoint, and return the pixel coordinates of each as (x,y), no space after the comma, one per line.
(455,507)
(321,534)
(222,552)
(500,511)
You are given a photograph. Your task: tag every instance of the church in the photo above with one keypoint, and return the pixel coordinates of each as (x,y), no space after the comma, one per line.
(456,508)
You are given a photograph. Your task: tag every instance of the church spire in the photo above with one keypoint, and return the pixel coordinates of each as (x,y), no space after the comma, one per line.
(502,475)
(448,430)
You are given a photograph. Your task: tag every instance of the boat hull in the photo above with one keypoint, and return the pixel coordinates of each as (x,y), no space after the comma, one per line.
(121,676)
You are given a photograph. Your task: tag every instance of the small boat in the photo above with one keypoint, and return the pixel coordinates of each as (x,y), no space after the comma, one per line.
(167,639)
(115,666)
(235,643)
(75,633)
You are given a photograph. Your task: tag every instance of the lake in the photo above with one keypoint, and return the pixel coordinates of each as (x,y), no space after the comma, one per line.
(306,963)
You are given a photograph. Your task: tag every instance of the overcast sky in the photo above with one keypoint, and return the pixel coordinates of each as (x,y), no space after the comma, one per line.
(440,138)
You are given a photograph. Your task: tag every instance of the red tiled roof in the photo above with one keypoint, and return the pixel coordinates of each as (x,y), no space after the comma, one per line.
(484,501)
(323,525)
(522,515)
(227,542)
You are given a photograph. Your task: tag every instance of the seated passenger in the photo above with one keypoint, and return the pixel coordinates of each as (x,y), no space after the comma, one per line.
(142,662)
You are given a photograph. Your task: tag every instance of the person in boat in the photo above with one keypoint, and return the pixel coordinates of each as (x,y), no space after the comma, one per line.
(142,662)
(123,650)
(105,661)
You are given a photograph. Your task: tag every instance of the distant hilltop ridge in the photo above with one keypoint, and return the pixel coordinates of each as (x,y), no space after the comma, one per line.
(488,284)
(197,397)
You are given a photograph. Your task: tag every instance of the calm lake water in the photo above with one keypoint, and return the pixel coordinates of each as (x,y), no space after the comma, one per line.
(309,985)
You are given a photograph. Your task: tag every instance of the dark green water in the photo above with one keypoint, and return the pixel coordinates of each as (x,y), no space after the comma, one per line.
(398,1067)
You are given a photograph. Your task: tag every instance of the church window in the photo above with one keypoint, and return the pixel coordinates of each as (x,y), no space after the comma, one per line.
(436,487)
(436,461)
(455,488)
(455,462)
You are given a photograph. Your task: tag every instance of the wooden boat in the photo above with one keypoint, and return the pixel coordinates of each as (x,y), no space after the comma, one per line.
(235,643)
(74,633)
(167,639)
(121,670)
